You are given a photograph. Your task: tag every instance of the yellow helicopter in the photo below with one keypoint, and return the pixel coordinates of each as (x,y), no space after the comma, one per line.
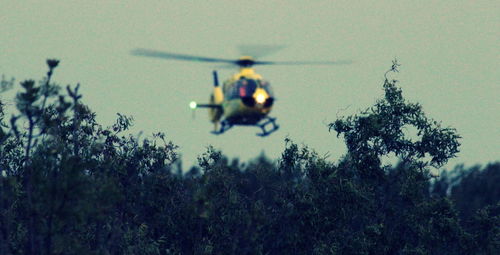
(245,99)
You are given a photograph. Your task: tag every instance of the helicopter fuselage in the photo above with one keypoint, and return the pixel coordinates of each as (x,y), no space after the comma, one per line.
(244,99)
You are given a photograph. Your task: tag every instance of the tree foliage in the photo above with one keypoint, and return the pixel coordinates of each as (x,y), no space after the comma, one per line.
(71,186)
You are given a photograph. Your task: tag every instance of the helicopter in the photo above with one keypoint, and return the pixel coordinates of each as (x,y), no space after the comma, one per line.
(244,99)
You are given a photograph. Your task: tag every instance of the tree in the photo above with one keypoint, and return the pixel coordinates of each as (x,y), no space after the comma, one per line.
(70,185)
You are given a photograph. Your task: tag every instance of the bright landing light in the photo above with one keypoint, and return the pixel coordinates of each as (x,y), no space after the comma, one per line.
(260,98)
(192,105)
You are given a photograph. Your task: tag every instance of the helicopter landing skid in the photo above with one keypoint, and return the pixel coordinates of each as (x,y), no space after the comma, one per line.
(226,125)
(268,121)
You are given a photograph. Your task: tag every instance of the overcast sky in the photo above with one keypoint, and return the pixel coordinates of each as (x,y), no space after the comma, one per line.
(449,51)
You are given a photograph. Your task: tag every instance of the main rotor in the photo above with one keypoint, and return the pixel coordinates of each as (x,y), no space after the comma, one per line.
(245,61)
(242,62)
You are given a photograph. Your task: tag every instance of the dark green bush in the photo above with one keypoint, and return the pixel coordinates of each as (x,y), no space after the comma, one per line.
(72,186)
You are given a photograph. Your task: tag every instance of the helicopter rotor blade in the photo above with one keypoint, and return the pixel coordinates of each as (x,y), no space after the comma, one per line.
(242,62)
(339,62)
(167,55)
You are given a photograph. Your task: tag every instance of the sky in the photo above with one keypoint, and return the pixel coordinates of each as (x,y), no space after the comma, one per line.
(449,51)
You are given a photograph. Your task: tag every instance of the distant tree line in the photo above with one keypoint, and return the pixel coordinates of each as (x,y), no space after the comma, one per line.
(68,185)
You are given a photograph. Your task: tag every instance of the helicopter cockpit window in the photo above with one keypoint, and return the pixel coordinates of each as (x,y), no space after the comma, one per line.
(242,88)
(246,88)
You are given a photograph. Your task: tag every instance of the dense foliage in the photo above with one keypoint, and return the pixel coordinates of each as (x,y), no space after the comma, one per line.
(470,188)
(71,186)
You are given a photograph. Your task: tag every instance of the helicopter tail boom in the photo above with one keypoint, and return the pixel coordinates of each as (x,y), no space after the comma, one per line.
(214,106)
(193,105)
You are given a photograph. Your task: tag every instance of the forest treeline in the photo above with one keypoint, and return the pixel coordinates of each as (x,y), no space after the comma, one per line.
(69,185)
